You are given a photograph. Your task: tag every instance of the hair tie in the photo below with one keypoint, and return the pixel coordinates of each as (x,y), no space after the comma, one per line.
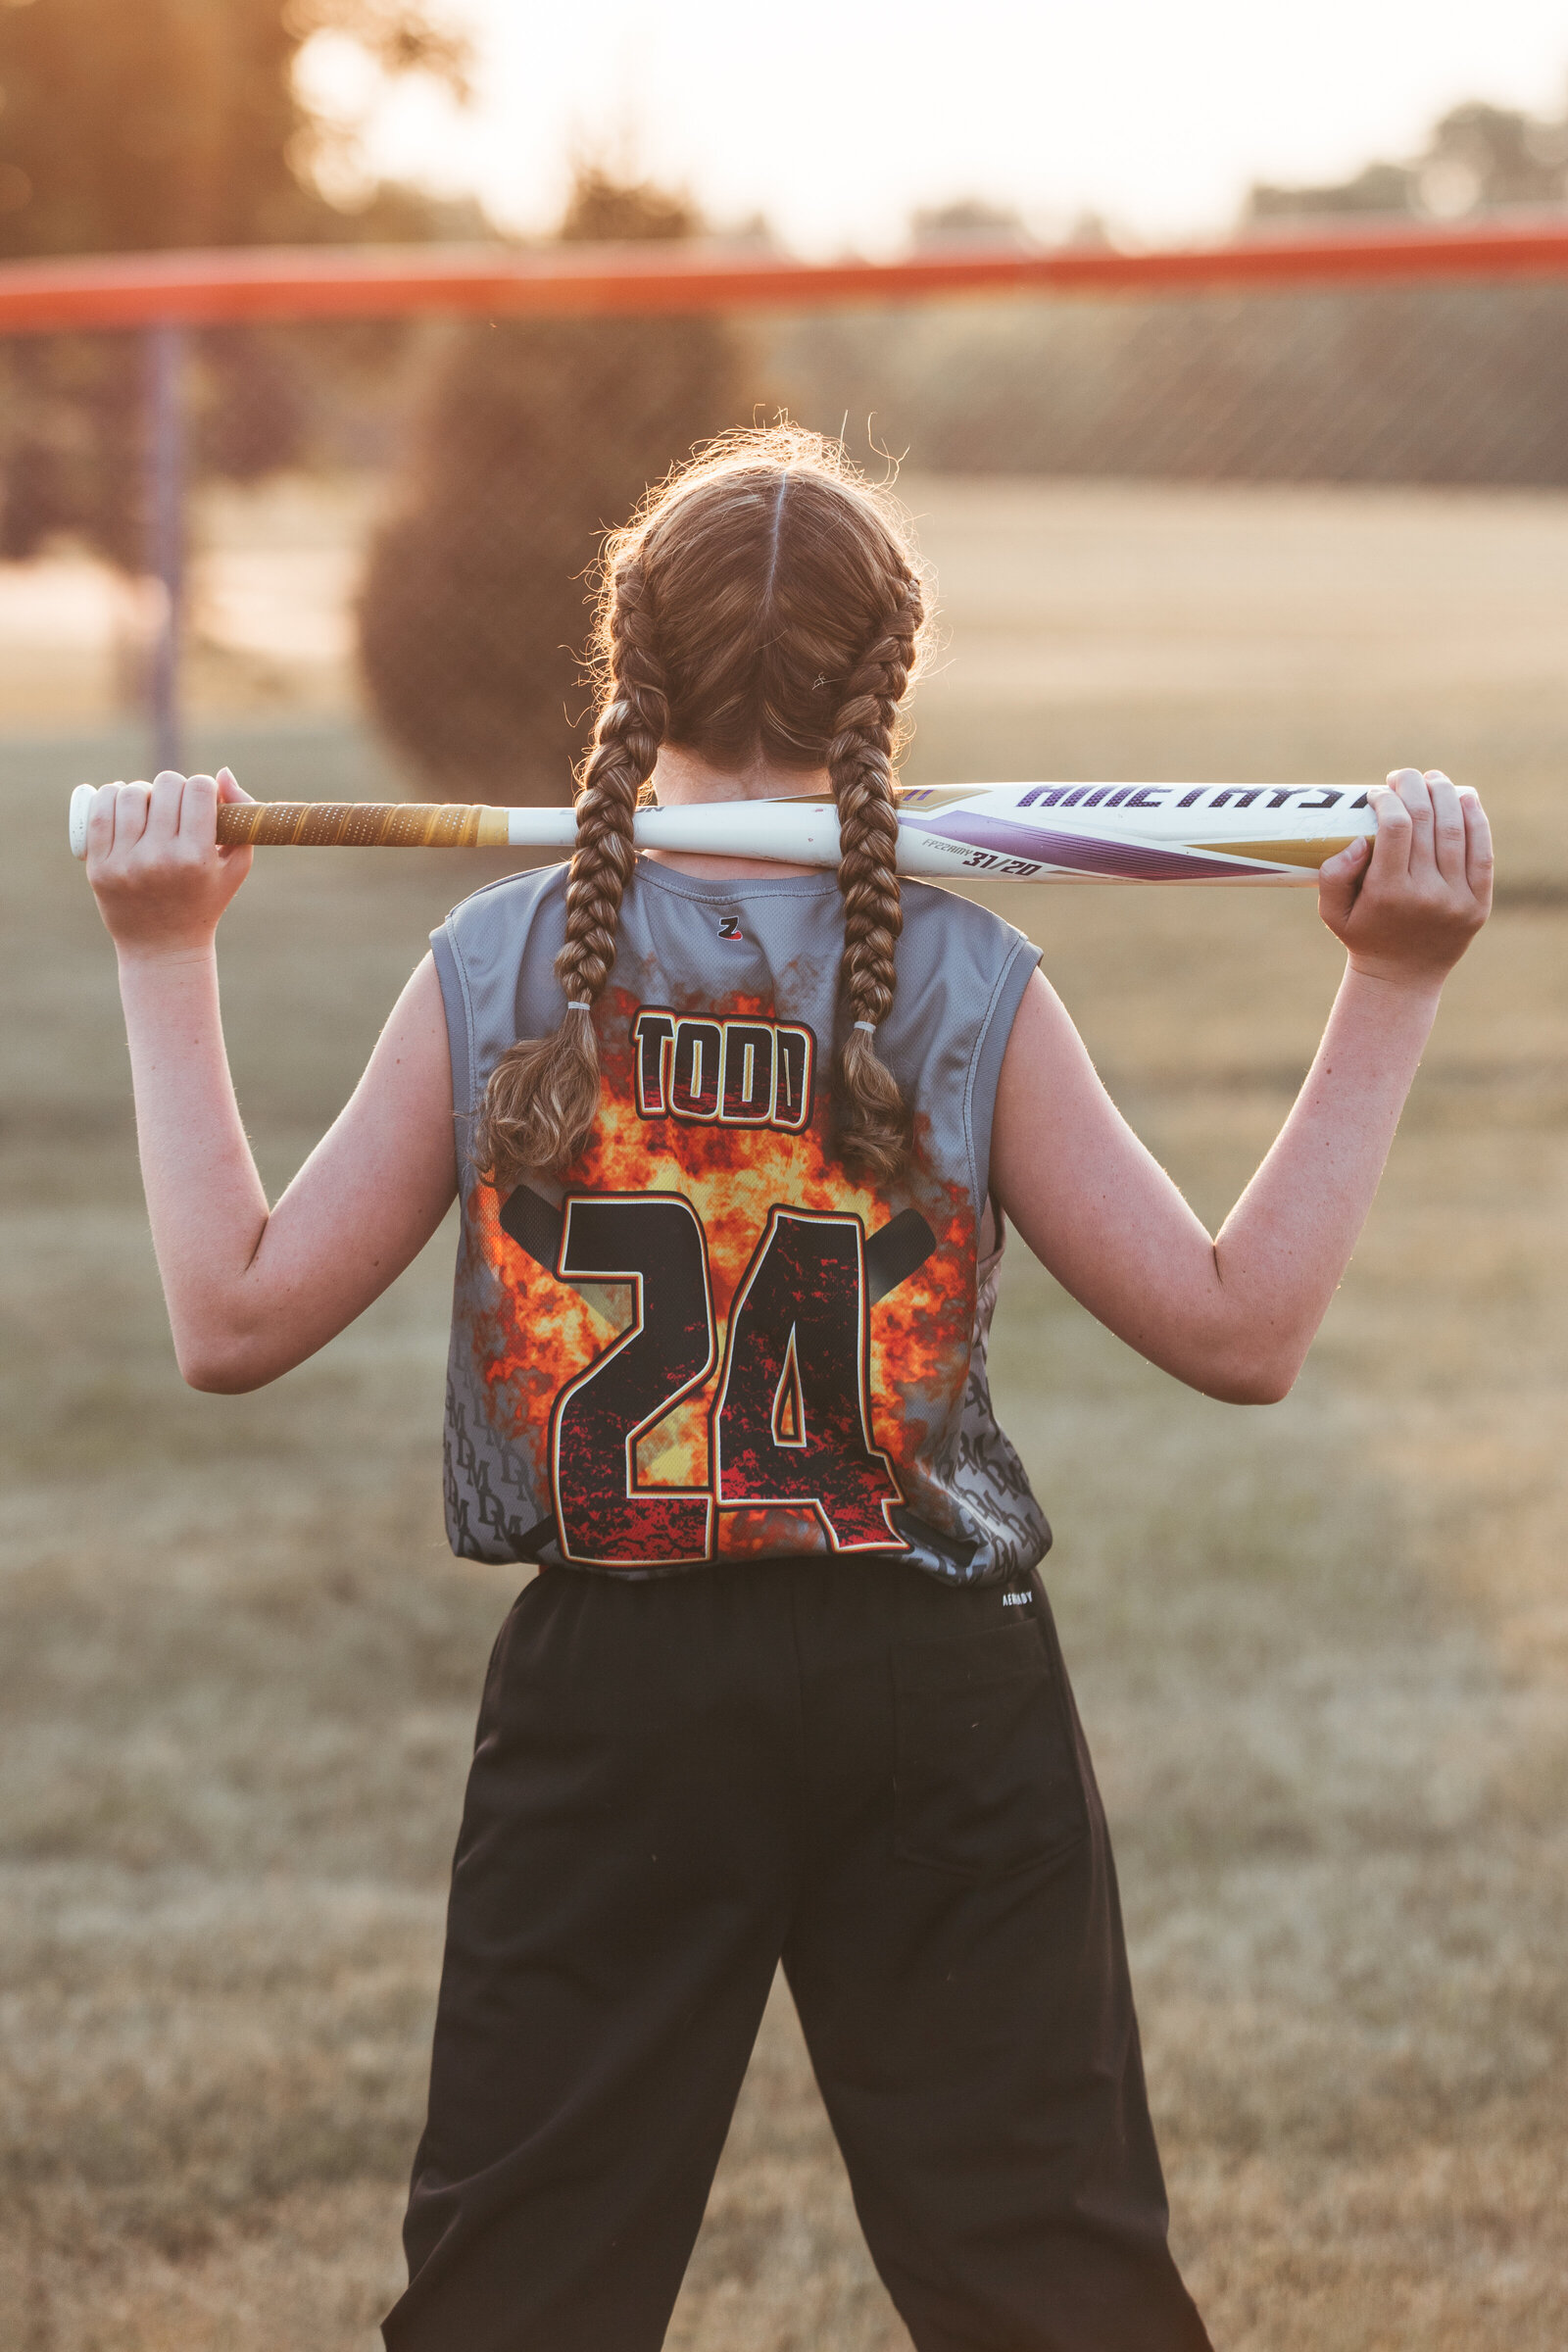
(578,1004)
(869,1027)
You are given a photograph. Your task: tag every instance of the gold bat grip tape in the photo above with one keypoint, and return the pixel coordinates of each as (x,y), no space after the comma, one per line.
(356,824)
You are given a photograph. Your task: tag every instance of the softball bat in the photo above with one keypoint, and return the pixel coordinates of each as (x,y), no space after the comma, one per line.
(1255,833)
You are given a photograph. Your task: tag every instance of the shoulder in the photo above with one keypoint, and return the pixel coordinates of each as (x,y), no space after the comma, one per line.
(516,897)
(495,956)
(500,916)
(962,974)
(947,927)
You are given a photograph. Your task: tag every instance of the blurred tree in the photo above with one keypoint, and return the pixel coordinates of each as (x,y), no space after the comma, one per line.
(180,121)
(170,122)
(967,221)
(534,437)
(1376,188)
(1477,158)
(1480,157)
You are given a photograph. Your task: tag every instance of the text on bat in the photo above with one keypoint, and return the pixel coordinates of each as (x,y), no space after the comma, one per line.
(1305,796)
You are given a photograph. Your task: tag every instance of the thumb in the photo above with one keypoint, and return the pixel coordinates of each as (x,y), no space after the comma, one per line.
(229,787)
(1338,882)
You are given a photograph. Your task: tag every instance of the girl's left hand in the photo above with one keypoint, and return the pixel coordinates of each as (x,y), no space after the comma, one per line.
(154,862)
(1408,904)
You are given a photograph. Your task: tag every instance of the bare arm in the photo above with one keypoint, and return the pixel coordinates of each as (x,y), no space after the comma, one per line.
(252,1291)
(1235,1316)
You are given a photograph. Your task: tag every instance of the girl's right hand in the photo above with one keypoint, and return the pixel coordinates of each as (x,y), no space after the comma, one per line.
(156,868)
(1408,904)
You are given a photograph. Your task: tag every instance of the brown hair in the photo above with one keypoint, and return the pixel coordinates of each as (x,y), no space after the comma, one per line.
(764,600)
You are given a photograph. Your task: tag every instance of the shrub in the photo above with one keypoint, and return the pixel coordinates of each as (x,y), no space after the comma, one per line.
(533,438)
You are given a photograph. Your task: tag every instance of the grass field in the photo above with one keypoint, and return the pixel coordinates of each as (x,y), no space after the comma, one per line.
(1322,1650)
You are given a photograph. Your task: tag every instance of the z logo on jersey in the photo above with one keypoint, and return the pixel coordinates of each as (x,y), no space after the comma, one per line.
(726,1073)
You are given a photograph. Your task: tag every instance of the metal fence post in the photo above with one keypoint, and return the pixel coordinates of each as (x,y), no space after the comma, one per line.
(165,536)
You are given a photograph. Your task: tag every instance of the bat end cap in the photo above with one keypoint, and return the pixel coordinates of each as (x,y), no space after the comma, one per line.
(82,800)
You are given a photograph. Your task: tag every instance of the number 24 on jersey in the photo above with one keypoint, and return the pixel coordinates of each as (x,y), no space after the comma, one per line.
(790,1425)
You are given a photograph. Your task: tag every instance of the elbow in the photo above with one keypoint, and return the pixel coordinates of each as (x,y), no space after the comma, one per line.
(1256,1387)
(1252,1377)
(218,1366)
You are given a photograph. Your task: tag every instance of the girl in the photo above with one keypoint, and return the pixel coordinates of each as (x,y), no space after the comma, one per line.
(788,1686)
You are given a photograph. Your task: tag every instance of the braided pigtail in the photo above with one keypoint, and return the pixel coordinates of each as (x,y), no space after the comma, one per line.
(542,1095)
(873,1121)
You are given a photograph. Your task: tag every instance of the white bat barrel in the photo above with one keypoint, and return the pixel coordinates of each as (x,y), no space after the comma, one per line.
(794,832)
(1228,833)
(790,832)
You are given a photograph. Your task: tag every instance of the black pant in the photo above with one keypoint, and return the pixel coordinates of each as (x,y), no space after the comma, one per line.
(884,1781)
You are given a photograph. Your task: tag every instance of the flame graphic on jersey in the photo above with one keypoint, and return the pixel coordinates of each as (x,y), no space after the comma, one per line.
(543,1331)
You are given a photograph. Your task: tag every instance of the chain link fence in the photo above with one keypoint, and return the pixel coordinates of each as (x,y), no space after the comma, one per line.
(356,552)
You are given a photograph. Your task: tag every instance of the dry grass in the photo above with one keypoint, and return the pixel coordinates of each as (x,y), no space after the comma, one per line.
(1322,1651)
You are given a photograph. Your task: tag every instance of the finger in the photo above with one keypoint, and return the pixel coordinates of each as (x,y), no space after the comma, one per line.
(1416,794)
(1478,859)
(130,814)
(1390,851)
(163,806)
(236,855)
(1448,828)
(198,812)
(101,821)
(1349,859)
(1339,881)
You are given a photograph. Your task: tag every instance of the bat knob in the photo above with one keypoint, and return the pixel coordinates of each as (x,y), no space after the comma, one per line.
(82,800)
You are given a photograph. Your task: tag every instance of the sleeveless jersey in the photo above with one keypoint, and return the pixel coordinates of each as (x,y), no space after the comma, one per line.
(709,1341)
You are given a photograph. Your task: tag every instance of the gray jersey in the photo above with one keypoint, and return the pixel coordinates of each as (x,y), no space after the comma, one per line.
(709,1341)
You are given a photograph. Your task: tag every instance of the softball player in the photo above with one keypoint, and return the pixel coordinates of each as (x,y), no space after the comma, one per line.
(736,1147)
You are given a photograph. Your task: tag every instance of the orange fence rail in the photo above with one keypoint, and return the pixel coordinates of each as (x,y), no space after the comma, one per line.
(260,283)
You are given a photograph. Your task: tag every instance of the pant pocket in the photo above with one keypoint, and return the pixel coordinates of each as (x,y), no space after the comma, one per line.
(985,1773)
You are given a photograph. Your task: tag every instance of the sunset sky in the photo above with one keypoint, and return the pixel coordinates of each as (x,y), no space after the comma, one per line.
(836,119)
